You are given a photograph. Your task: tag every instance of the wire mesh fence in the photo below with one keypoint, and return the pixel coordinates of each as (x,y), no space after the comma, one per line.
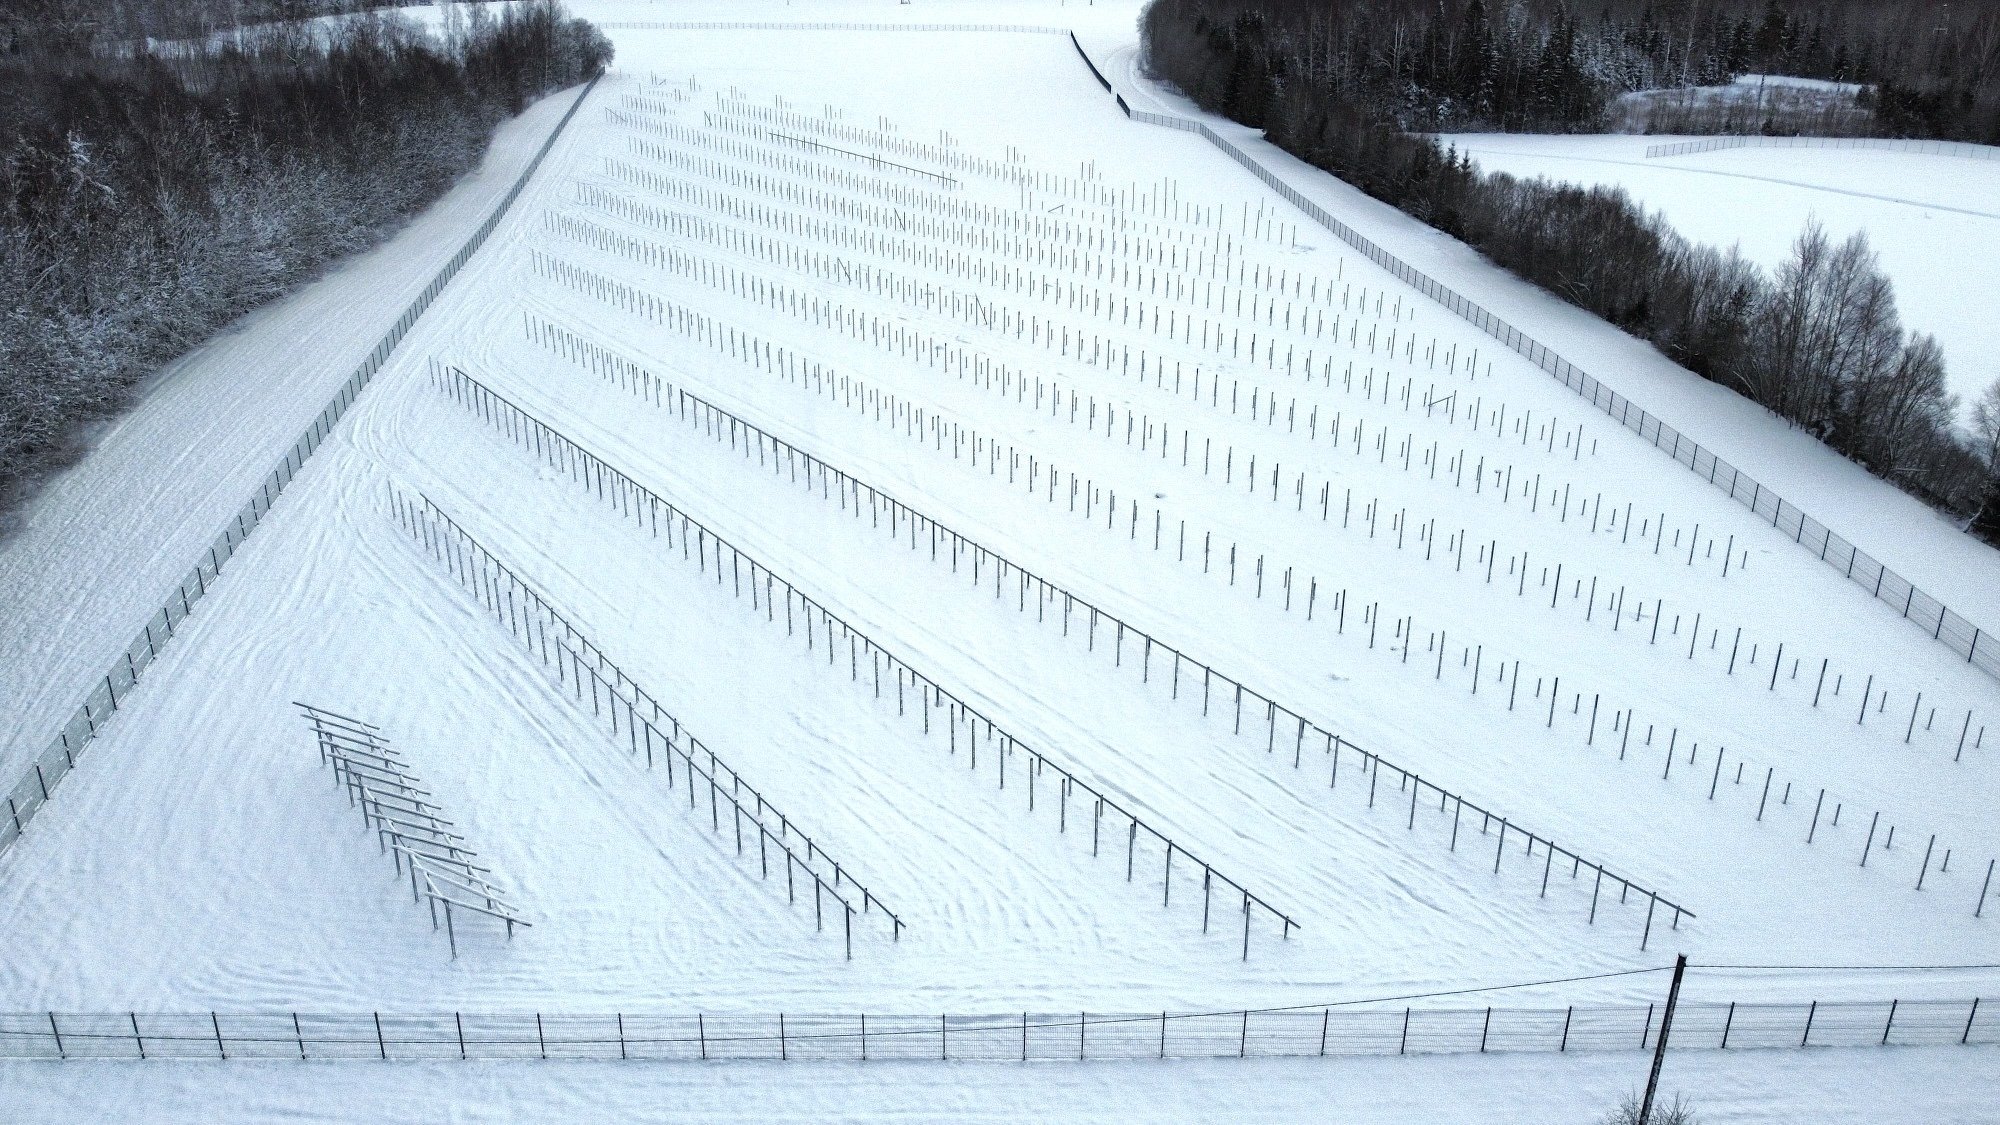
(30,792)
(1300,1032)
(1924,610)
(1881,144)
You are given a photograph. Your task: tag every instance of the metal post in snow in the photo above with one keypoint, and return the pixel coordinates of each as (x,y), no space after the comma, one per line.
(1660,1048)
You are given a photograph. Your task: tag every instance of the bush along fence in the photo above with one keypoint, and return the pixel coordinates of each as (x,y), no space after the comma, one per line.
(32,791)
(649,729)
(1953,630)
(824,628)
(1300,1032)
(1883,144)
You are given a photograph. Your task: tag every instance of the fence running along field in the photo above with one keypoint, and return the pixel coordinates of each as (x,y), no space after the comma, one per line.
(639,503)
(1014,1037)
(1951,629)
(1931,148)
(33,789)
(648,727)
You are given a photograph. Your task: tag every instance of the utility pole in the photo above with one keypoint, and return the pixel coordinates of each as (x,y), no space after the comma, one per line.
(1660,1047)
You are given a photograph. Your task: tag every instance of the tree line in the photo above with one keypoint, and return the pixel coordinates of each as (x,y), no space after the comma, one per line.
(1928,68)
(152,190)
(1818,341)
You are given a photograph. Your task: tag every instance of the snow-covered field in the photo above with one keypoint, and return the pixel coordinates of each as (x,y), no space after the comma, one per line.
(1934,218)
(1114,359)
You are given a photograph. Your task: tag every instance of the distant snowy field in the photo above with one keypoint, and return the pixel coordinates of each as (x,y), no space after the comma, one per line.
(1612,653)
(1934,219)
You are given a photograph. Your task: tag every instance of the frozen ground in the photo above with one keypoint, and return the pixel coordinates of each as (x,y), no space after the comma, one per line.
(202,858)
(1934,219)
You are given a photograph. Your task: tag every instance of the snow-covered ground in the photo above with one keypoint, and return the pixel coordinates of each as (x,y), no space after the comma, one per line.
(1934,218)
(1442,555)
(1887,1087)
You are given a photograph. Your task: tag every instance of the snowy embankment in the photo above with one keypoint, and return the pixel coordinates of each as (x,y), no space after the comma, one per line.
(1165,396)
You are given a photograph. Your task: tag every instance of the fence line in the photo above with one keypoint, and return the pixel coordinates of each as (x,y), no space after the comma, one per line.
(639,503)
(532,620)
(1935,148)
(32,791)
(1013,1037)
(1944,625)
(1096,73)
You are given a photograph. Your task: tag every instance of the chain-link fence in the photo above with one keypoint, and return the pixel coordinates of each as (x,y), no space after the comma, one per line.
(32,790)
(1885,144)
(1013,1037)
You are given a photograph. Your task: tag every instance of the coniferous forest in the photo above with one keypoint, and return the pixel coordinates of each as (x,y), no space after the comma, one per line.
(1354,88)
(163,170)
